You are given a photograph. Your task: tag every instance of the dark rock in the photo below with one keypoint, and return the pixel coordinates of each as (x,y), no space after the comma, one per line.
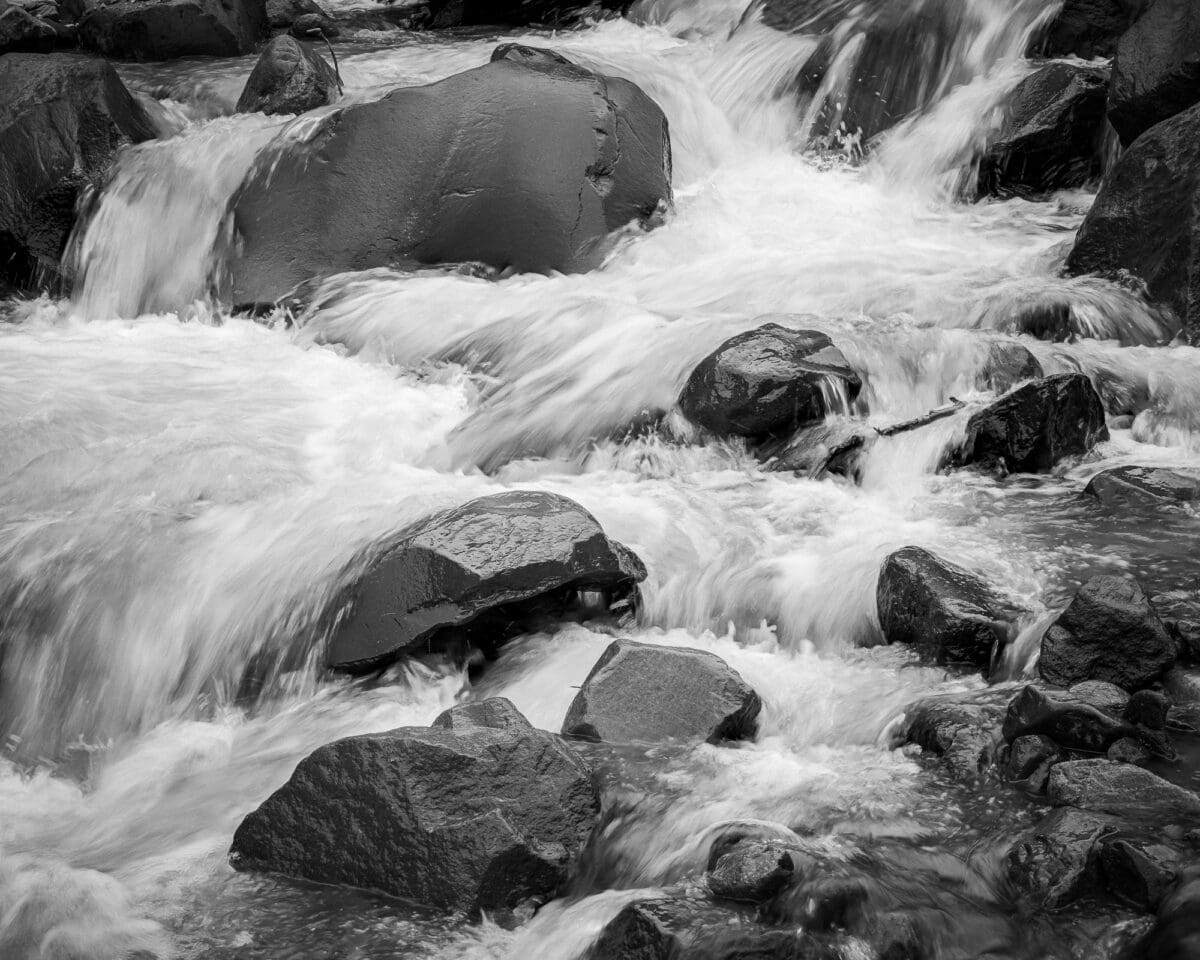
(1176,932)
(468,13)
(946,613)
(465,815)
(496,713)
(479,559)
(468,179)
(1156,70)
(283,13)
(1149,709)
(1139,871)
(752,872)
(964,731)
(1129,750)
(290,77)
(1121,789)
(1068,722)
(641,692)
(1143,222)
(1034,426)
(1052,133)
(1143,486)
(1007,365)
(166,29)
(62,120)
(1102,695)
(733,833)
(1087,28)
(21,32)
(1029,752)
(1109,632)
(833,446)
(767,382)
(520,53)
(1058,861)
(313,26)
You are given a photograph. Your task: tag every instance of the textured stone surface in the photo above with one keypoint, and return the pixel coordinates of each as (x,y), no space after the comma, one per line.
(479,812)
(1058,861)
(964,731)
(1067,721)
(290,77)
(1087,28)
(448,570)
(1104,786)
(21,32)
(1027,753)
(165,29)
(1144,486)
(752,872)
(640,692)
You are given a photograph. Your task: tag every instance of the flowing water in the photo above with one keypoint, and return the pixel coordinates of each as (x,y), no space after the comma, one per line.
(182,492)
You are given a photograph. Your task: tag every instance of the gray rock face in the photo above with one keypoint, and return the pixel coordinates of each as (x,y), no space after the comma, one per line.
(946,613)
(766,382)
(1033,427)
(1087,28)
(468,178)
(1067,721)
(1058,861)
(1122,789)
(752,872)
(964,731)
(1156,70)
(1052,133)
(640,692)
(1176,932)
(283,13)
(1109,632)
(1007,365)
(290,77)
(1143,486)
(62,120)
(1029,752)
(481,558)
(166,29)
(1139,872)
(480,812)
(21,32)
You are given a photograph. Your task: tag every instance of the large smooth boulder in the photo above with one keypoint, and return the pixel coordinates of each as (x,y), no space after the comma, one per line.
(1145,220)
(1156,70)
(469,566)
(480,812)
(1108,632)
(641,692)
(1057,862)
(1031,428)
(62,120)
(1144,486)
(1052,133)
(166,29)
(1087,28)
(21,32)
(290,77)
(467,178)
(946,613)
(1122,789)
(767,382)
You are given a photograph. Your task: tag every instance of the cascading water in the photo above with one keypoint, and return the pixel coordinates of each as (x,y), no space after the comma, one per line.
(183,491)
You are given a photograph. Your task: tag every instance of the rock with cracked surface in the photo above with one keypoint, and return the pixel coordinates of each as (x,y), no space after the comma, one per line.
(480,812)
(642,692)
(1105,786)
(964,730)
(1063,718)
(470,567)
(1057,861)
(468,179)
(752,872)
(1144,486)
(290,77)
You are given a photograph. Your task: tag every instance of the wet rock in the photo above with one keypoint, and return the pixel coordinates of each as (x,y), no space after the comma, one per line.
(1087,28)
(480,812)
(1143,486)
(62,120)
(767,382)
(752,872)
(166,29)
(1034,426)
(313,26)
(1068,722)
(1122,789)
(1008,364)
(1139,872)
(1142,222)
(487,190)
(1109,632)
(21,32)
(1102,695)
(946,613)
(469,566)
(641,692)
(1129,750)
(290,77)
(283,13)
(964,731)
(1156,70)
(1052,133)
(1028,753)
(833,446)
(467,13)
(1058,861)
(521,53)
(1149,709)
(1176,932)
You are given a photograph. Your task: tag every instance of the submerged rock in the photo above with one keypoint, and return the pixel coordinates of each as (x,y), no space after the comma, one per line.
(467,567)
(833,446)
(1034,426)
(946,613)
(641,692)
(166,29)
(1156,70)
(1123,789)
(1008,364)
(1108,632)
(752,872)
(62,120)
(964,731)
(1140,872)
(1144,486)
(1058,862)
(766,382)
(468,178)
(1052,133)
(1176,932)
(1087,28)
(290,77)
(480,812)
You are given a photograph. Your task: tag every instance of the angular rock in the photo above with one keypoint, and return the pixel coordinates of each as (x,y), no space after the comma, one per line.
(1102,695)
(1176,932)
(963,731)
(834,446)
(470,567)
(1109,632)
(1139,872)
(1129,750)
(1144,486)
(1144,222)
(525,54)
(290,77)
(1069,722)
(1007,365)
(1087,28)
(752,872)
(467,815)
(641,692)
(1058,861)
(1034,426)
(166,29)
(62,120)
(313,26)
(767,382)
(1029,752)
(1156,70)
(283,13)
(468,179)
(1149,709)
(1052,133)
(946,613)
(1122,789)
(21,32)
